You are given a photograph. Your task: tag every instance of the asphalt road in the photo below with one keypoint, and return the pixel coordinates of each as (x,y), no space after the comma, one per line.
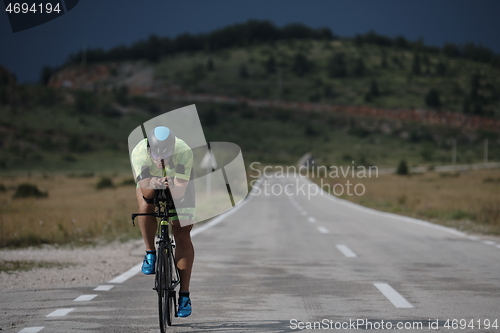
(284,262)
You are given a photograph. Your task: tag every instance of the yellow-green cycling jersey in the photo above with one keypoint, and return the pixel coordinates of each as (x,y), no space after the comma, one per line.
(180,165)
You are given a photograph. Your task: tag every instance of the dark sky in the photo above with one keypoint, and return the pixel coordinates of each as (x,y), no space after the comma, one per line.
(106,23)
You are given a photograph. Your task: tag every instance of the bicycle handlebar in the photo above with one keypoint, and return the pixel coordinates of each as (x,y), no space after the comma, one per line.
(162,195)
(161,215)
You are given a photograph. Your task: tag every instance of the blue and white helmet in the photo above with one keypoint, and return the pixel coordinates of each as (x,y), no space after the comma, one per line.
(161,143)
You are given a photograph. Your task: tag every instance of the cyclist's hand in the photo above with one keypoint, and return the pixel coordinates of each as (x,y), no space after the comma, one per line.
(168,182)
(157,183)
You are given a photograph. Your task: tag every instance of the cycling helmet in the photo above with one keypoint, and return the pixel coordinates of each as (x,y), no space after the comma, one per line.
(161,143)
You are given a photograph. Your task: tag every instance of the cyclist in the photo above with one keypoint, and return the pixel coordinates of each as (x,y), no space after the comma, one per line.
(162,152)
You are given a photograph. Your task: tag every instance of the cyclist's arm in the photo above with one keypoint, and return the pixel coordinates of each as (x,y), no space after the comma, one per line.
(148,186)
(179,188)
(184,161)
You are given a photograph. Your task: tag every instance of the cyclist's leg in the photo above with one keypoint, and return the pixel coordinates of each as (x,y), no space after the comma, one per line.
(147,224)
(184,253)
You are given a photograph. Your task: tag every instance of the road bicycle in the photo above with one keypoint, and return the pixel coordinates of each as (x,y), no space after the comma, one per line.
(167,277)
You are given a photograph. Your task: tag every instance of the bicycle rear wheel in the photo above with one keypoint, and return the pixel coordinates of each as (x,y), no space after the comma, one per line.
(169,292)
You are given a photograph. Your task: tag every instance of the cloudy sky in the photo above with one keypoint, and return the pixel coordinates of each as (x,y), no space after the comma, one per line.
(104,24)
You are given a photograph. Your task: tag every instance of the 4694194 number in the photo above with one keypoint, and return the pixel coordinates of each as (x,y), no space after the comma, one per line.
(463,324)
(40,8)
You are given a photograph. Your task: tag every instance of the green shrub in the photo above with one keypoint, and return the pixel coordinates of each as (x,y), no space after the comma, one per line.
(402,168)
(449,174)
(28,190)
(462,215)
(104,182)
(432,99)
(2,188)
(69,158)
(485,180)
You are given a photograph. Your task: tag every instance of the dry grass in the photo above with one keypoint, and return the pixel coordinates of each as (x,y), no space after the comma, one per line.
(468,201)
(73,212)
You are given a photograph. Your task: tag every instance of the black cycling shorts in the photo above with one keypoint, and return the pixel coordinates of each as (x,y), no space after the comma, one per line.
(149,201)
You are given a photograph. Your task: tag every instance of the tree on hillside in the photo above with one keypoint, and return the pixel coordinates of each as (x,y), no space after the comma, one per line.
(210,65)
(474,87)
(440,68)
(243,71)
(415,67)
(154,49)
(297,31)
(401,42)
(372,92)
(432,99)
(374,89)
(359,68)
(383,61)
(301,65)
(45,74)
(210,117)
(473,103)
(85,102)
(372,37)
(301,31)
(477,52)
(336,66)
(121,95)
(270,65)
(6,77)
(451,50)
(328,91)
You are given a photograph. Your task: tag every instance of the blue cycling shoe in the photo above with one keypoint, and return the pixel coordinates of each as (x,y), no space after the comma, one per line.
(184,309)
(148,265)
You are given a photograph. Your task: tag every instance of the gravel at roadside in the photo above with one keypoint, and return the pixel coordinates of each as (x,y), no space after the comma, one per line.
(69,266)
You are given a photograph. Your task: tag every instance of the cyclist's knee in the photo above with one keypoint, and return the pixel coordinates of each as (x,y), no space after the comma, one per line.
(144,207)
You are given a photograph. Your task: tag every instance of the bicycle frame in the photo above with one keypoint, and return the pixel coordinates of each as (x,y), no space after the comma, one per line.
(163,204)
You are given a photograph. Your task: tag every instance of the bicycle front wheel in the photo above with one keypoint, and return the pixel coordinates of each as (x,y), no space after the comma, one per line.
(163,285)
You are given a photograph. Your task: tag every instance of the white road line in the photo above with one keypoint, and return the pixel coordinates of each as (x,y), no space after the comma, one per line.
(323,230)
(60,312)
(311,219)
(127,275)
(31,329)
(384,214)
(231,211)
(304,213)
(393,296)
(104,287)
(474,238)
(84,298)
(137,268)
(346,251)
(489,242)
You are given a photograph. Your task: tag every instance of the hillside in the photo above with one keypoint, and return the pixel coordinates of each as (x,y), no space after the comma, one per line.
(333,72)
(258,60)
(49,130)
(278,93)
